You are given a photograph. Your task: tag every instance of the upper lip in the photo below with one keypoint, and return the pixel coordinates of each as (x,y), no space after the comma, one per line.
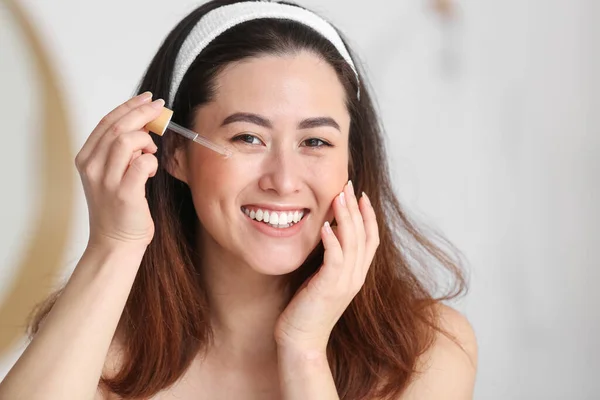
(275,207)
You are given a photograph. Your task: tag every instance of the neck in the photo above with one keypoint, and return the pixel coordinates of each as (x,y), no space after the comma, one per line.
(244,307)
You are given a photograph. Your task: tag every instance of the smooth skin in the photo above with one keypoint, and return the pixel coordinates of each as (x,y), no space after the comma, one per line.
(265,348)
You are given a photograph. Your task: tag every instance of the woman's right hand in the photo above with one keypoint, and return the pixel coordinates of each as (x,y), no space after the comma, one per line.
(114,164)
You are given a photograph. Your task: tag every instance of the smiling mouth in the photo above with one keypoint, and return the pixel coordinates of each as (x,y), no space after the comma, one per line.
(276,219)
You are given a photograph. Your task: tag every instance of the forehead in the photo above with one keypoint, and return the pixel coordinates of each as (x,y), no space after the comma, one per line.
(301,81)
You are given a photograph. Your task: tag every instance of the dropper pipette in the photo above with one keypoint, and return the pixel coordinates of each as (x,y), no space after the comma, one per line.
(163,123)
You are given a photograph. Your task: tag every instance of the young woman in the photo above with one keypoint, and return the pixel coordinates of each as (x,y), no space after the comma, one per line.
(286,271)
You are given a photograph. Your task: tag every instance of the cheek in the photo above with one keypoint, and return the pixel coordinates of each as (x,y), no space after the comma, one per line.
(218,179)
(212,178)
(328,176)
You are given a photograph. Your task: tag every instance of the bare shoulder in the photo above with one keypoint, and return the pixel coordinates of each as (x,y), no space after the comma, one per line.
(112,365)
(448,368)
(457,325)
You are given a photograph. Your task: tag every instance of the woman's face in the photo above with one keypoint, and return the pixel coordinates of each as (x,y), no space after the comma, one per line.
(286,121)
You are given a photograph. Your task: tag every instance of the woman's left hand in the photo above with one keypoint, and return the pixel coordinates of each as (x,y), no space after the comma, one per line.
(307,321)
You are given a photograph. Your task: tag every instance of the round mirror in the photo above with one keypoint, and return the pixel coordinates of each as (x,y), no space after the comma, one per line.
(37,176)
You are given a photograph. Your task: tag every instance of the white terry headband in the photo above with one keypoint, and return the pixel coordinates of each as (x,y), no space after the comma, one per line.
(219,20)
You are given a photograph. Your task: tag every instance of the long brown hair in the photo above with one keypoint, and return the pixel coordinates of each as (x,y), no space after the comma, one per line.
(373,348)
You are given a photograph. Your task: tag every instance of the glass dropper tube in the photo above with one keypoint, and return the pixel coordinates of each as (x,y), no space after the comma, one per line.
(163,123)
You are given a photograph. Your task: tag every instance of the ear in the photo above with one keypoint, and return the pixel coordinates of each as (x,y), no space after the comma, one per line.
(177,165)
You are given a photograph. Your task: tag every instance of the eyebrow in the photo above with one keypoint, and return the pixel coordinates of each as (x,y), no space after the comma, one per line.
(256,119)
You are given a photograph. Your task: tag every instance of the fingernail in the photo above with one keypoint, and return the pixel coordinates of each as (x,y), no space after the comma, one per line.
(343,199)
(158,103)
(146,96)
(327,227)
(366,198)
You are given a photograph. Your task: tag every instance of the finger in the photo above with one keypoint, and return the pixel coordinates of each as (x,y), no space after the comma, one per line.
(135,120)
(125,150)
(138,153)
(371,230)
(346,231)
(107,122)
(359,226)
(134,180)
(333,257)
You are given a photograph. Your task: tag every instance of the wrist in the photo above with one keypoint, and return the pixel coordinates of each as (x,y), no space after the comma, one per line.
(112,255)
(302,355)
(108,247)
(304,373)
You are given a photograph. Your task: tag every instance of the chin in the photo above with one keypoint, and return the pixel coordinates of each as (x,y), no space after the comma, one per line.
(276,264)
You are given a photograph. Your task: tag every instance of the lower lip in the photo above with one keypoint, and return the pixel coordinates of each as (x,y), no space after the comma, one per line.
(277,232)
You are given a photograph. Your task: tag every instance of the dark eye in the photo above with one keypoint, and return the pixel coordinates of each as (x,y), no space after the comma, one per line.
(314,142)
(248,139)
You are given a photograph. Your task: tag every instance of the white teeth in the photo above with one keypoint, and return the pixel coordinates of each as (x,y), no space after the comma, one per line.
(283,220)
(274,220)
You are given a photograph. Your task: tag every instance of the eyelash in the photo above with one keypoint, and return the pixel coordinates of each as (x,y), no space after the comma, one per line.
(240,138)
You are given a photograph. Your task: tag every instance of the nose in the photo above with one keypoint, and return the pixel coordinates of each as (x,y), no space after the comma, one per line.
(282,173)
